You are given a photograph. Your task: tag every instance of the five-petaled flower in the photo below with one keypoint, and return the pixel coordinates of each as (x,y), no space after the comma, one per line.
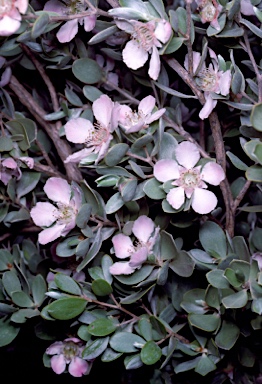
(95,137)
(60,219)
(146,38)
(69,30)
(189,179)
(146,233)
(68,352)
(132,121)
(209,10)
(210,80)
(10,15)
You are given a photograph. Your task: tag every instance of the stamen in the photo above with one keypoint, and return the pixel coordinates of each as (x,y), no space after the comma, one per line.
(208,13)
(144,35)
(206,80)
(98,136)
(74,7)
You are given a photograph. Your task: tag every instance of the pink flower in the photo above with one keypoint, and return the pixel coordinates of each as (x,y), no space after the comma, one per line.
(246,7)
(146,38)
(68,352)
(10,15)
(132,121)
(10,167)
(189,181)
(69,30)
(95,137)
(209,12)
(210,80)
(145,231)
(60,219)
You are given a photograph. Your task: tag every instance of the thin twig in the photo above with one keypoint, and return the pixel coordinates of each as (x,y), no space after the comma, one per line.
(256,70)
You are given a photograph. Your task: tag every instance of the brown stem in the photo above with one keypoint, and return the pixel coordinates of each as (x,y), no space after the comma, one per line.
(62,147)
(256,70)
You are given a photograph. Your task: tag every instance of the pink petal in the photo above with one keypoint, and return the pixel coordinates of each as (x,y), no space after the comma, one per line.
(156,115)
(154,64)
(102,109)
(163,31)
(176,197)
(143,228)
(58,189)
(147,104)
(166,169)
(196,60)
(10,163)
(134,55)
(55,6)
(89,22)
(58,364)
(55,348)
(8,26)
(78,130)
(43,214)
(224,83)
(138,258)
(203,201)
(207,108)
(29,161)
(79,155)
(68,31)
(187,154)
(121,268)
(123,245)
(77,367)
(103,149)
(21,5)
(124,114)
(212,173)
(50,234)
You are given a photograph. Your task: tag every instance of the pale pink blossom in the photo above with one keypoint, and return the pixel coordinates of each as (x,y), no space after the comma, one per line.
(146,235)
(209,11)
(69,30)
(67,354)
(132,121)
(210,80)
(10,167)
(246,7)
(57,220)
(96,137)
(146,39)
(189,179)
(10,15)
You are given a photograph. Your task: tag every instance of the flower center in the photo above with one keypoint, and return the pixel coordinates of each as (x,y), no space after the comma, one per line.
(98,136)
(134,117)
(144,35)
(65,213)
(190,178)
(70,350)
(75,6)
(207,80)
(5,6)
(208,13)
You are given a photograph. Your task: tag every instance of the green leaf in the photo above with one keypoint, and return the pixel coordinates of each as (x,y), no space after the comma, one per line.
(27,183)
(114,203)
(90,92)
(110,355)
(102,327)
(213,239)
(256,117)
(11,282)
(227,335)
(239,164)
(96,348)
(103,35)
(116,154)
(40,25)
(6,144)
(21,299)
(8,332)
(125,342)
(150,353)
(205,365)
(173,92)
(183,264)
(101,287)
(67,247)
(145,329)
(208,323)
(39,289)
(67,284)
(136,277)
(87,71)
(236,300)
(152,189)
(254,173)
(174,44)
(66,308)
(253,28)
(217,279)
